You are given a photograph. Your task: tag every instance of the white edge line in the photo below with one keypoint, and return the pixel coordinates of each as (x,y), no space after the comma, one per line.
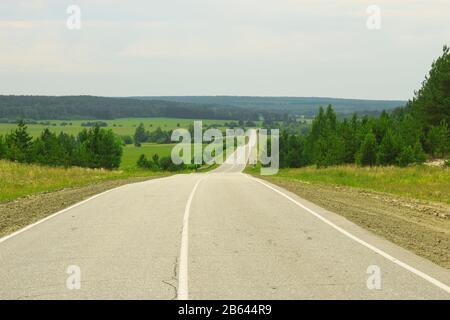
(182,292)
(28,227)
(419,273)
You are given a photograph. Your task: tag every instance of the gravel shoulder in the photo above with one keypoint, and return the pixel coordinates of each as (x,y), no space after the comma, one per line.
(420,226)
(21,212)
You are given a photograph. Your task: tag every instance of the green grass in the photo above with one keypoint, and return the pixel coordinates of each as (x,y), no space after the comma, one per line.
(125,126)
(131,153)
(18,180)
(420,182)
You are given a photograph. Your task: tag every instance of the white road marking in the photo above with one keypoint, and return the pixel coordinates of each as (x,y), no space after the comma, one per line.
(28,227)
(419,273)
(183,289)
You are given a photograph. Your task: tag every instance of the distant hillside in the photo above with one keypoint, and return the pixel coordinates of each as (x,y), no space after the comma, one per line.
(307,106)
(219,107)
(90,107)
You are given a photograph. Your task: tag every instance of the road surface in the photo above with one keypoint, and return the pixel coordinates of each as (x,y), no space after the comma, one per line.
(221,235)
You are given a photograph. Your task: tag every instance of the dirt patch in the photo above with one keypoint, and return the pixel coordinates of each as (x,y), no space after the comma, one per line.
(420,226)
(435,163)
(21,212)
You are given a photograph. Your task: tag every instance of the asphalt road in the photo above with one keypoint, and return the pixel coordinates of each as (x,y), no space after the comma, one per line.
(221,235)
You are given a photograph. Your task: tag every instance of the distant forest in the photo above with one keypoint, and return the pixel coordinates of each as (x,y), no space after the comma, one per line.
(220,108)
(102,108)
(307,106)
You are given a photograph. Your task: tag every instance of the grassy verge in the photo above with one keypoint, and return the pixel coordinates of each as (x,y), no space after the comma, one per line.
(19,180)
(419,182)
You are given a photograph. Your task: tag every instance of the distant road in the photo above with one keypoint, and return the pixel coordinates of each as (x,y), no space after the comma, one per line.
(221,235)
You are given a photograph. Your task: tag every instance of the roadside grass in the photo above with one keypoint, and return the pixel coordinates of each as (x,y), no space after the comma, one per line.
(19,180)
(124,126)
(419,182)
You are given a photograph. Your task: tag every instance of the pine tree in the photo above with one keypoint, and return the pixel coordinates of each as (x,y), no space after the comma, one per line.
(406,157)
(99,148)
(140,135)
(389,149)
(419,155)
(367,154)
(19,144)
(438,139)
(48,150)
(431,103)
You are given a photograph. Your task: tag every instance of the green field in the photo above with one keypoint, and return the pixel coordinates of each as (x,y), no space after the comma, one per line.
(131,153)
(419,182)
(125,126)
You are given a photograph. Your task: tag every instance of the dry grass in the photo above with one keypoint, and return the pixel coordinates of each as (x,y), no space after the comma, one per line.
(419,182)
(18,180)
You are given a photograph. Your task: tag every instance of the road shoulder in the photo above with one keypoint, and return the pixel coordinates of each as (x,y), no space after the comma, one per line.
(19,213)
(419,226)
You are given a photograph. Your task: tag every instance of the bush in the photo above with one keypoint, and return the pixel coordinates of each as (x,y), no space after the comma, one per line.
(142,162)
(127,140)
(94,124)
(166,164)
(99,148)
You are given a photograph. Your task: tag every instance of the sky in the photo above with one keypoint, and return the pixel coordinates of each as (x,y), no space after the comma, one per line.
(318,48)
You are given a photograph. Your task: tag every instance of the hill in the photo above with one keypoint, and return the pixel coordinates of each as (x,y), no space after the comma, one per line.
(91,107)
(307,106)
(205,107)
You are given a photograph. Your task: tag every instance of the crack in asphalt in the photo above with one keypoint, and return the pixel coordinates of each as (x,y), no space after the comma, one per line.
(173,278)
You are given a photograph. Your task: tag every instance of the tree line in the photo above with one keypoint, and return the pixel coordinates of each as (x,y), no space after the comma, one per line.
(162,164)
(103,108)
(157,136)
(91,148)
(407,135)
(387,140)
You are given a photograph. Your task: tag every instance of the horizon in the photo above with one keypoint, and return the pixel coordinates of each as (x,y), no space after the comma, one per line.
(202,96)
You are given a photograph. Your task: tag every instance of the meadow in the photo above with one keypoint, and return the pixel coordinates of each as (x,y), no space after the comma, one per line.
(125,126)
(419,181)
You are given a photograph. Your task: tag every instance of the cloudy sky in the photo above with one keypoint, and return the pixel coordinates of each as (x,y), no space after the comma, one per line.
(220,47)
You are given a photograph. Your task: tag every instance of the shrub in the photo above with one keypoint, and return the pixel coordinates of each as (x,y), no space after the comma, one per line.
(127,140)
